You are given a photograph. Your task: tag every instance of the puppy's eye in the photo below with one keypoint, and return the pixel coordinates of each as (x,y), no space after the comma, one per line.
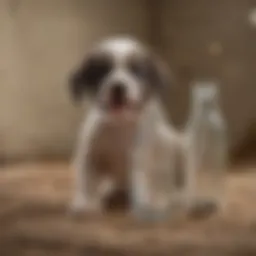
(96,70)
(138,69)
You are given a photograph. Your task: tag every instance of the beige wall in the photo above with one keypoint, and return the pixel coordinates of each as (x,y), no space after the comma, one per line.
(41,40)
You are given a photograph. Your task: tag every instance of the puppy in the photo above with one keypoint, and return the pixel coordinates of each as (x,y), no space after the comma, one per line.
(125,136)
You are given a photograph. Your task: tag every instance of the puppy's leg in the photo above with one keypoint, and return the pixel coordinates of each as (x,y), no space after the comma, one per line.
(141,189)
(87,196)
(181,141)
(141,193)
(176,147)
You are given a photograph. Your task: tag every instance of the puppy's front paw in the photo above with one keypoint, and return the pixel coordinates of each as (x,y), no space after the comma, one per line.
(77,206)
(83,206)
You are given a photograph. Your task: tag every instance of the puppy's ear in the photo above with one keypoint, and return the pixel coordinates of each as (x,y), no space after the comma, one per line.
(76,85)
(88,77)
(159,73)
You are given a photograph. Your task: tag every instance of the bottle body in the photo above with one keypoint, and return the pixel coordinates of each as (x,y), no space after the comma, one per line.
(206,148)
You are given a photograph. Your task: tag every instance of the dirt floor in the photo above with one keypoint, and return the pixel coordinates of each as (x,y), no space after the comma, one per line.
(34,221)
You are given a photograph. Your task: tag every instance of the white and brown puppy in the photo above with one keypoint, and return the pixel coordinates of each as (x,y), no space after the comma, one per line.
(118,145)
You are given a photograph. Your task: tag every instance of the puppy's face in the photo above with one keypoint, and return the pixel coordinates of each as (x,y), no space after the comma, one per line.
(119,74)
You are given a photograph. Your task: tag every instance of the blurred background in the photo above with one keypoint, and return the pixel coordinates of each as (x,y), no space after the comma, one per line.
(41,41)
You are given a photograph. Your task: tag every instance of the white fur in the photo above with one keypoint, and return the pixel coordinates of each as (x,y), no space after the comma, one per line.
(121,47)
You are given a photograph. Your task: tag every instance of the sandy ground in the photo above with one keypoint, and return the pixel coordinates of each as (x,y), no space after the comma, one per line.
(34,221)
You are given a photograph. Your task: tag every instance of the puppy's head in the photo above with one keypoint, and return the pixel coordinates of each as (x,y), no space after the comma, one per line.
(119,74)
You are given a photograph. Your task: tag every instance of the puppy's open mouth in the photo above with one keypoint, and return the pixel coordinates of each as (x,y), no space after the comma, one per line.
(118,103)
(124,109)
(118,99)
(119,107)
(121,104)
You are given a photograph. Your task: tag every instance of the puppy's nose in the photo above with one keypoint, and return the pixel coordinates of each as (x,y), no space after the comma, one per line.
(118,94)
